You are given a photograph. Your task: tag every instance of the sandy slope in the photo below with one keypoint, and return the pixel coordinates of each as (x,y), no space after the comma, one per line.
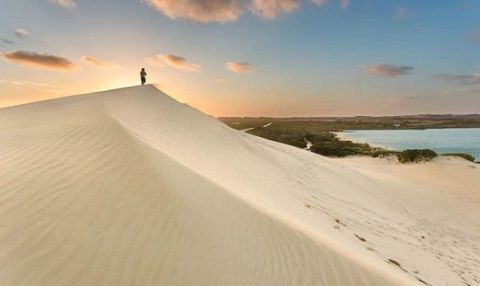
(129,187)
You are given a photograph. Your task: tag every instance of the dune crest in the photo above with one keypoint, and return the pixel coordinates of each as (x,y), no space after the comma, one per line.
(130,187)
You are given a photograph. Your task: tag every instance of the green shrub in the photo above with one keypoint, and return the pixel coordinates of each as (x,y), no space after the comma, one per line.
(416,155)
(333,151)
(383,153)
(467,157)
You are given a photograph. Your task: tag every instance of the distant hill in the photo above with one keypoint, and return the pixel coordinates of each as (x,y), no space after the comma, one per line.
(420,121)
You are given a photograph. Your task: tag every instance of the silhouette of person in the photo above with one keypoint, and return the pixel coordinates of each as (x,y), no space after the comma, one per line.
(143,76)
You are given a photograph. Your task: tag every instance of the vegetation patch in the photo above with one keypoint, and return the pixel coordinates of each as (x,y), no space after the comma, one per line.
(320,132)
(323,142)
(467,157)
(416,155)
(384,153)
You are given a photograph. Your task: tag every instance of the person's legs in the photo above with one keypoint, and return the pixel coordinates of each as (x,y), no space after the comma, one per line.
(143,81)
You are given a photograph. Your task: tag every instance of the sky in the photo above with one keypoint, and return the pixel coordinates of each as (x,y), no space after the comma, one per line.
(250,57)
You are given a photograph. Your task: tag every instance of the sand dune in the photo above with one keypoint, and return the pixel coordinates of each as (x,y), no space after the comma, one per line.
(130,187)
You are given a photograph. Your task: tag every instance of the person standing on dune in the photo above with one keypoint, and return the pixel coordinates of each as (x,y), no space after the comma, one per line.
(143,76)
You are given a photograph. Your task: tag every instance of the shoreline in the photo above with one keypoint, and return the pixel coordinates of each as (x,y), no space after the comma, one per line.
(340,135)
(343,136)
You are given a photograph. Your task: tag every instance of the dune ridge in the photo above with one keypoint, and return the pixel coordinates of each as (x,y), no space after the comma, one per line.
(130,187)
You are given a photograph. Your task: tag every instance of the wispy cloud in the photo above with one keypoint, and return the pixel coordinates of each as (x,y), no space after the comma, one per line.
(237,67)
(8,42)
(320,2)
(67,4)
(228,10)
(343,3)
(29,84)
(459,78)
(387,70)
(401,12)
(39,60)
(270,9)
(176,62)
(21,33)
(99,63)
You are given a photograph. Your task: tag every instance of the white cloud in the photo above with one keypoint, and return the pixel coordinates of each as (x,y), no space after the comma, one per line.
(21,33)
(67,4)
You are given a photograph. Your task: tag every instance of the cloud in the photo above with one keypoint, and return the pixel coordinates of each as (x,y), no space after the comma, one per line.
(400,12)
(200,10)
(320,2)
(39,60)
(228,10)
(270,9)
(240,67)
(29,84)
(99,64)
(8,42)
(22,33)
(67,4)
(343,3)
(176,62)
(459,78)
(387,70)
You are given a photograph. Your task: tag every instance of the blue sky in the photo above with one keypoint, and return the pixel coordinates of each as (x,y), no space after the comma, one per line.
(287,57)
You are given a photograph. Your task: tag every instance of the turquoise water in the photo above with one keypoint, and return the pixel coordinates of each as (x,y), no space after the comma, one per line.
(450,140)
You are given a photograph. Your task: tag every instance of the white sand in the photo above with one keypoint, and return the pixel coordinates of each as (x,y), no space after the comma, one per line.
(129,187)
